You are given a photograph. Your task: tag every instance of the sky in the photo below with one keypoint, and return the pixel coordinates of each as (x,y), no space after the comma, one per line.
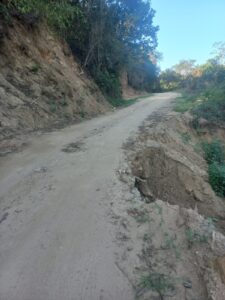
(188,29)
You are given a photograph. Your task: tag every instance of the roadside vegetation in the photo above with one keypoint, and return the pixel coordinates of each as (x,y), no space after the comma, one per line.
(214,154)
(202,86)
(109,37)
(202,89)
(119,102)
(185,102)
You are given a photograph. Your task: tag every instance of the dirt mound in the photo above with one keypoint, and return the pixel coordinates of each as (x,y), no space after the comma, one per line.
(175,243)
(41,85)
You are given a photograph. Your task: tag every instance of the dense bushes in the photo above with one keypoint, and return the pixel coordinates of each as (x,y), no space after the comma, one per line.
(58,13)
(108,83)
(212,107)
(215,155)
(185,102)
(203,94)
(107,35)
(217,178)
(4,13)
(213,152)
(202,87)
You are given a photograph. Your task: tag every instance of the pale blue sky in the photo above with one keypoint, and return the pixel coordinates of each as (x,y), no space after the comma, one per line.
(188,28)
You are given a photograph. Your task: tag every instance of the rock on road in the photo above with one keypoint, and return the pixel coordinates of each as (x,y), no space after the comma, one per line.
(56,238)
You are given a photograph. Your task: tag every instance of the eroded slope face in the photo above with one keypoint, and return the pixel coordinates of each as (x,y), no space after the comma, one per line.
(41,84)
(170,168)
(175,237)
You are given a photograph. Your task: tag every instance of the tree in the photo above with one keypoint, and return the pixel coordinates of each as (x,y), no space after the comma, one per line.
(118,35)
(170,80)
(219,52)
(185,67)
(107,35)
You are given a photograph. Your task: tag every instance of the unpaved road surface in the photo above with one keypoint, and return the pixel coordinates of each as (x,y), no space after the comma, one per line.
(57,241)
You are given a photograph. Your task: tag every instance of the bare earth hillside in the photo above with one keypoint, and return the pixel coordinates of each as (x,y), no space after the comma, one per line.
(41,85)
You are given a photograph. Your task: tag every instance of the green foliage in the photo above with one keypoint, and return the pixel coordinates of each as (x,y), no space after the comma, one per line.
(204,92)
(58,13)
(118,102)
(219,52)
(108,36)
(108,82)
(82,114)
(185,67)
(35,68)
(142,76)
(158,282)
(212,107)
(169,80)
(217,178)
(215,156)
(205,86)
(4,13)
(184,103)
(194,236)
(196,78)
(116,36)
(213,152)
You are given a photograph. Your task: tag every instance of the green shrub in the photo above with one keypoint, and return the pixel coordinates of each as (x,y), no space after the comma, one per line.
(59,13)
(193,236)
(118,102)
(160,283)
(215,156)
(211,110)
(35,67)
(4,13)
(217,178)
(213,152)
(184,103)
(182,106)
(108,82)
(212,107)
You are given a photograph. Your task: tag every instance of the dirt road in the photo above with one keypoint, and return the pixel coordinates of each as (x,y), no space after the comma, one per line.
(57,236)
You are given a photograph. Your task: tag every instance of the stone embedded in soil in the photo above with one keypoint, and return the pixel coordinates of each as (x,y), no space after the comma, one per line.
(187,284)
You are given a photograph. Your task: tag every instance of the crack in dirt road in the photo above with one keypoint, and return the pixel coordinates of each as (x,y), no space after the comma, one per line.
(58,240)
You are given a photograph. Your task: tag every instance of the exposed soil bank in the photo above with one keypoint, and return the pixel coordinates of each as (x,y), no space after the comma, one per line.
(177,218)
(70,229)
(41,84)
(169,167)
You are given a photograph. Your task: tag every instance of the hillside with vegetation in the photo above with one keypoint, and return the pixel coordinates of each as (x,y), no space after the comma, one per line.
(127,205)
(62,61)
(202,90)
(108,37)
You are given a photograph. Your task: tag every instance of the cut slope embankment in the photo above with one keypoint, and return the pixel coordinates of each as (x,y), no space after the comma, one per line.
(41,84)
(175,243)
